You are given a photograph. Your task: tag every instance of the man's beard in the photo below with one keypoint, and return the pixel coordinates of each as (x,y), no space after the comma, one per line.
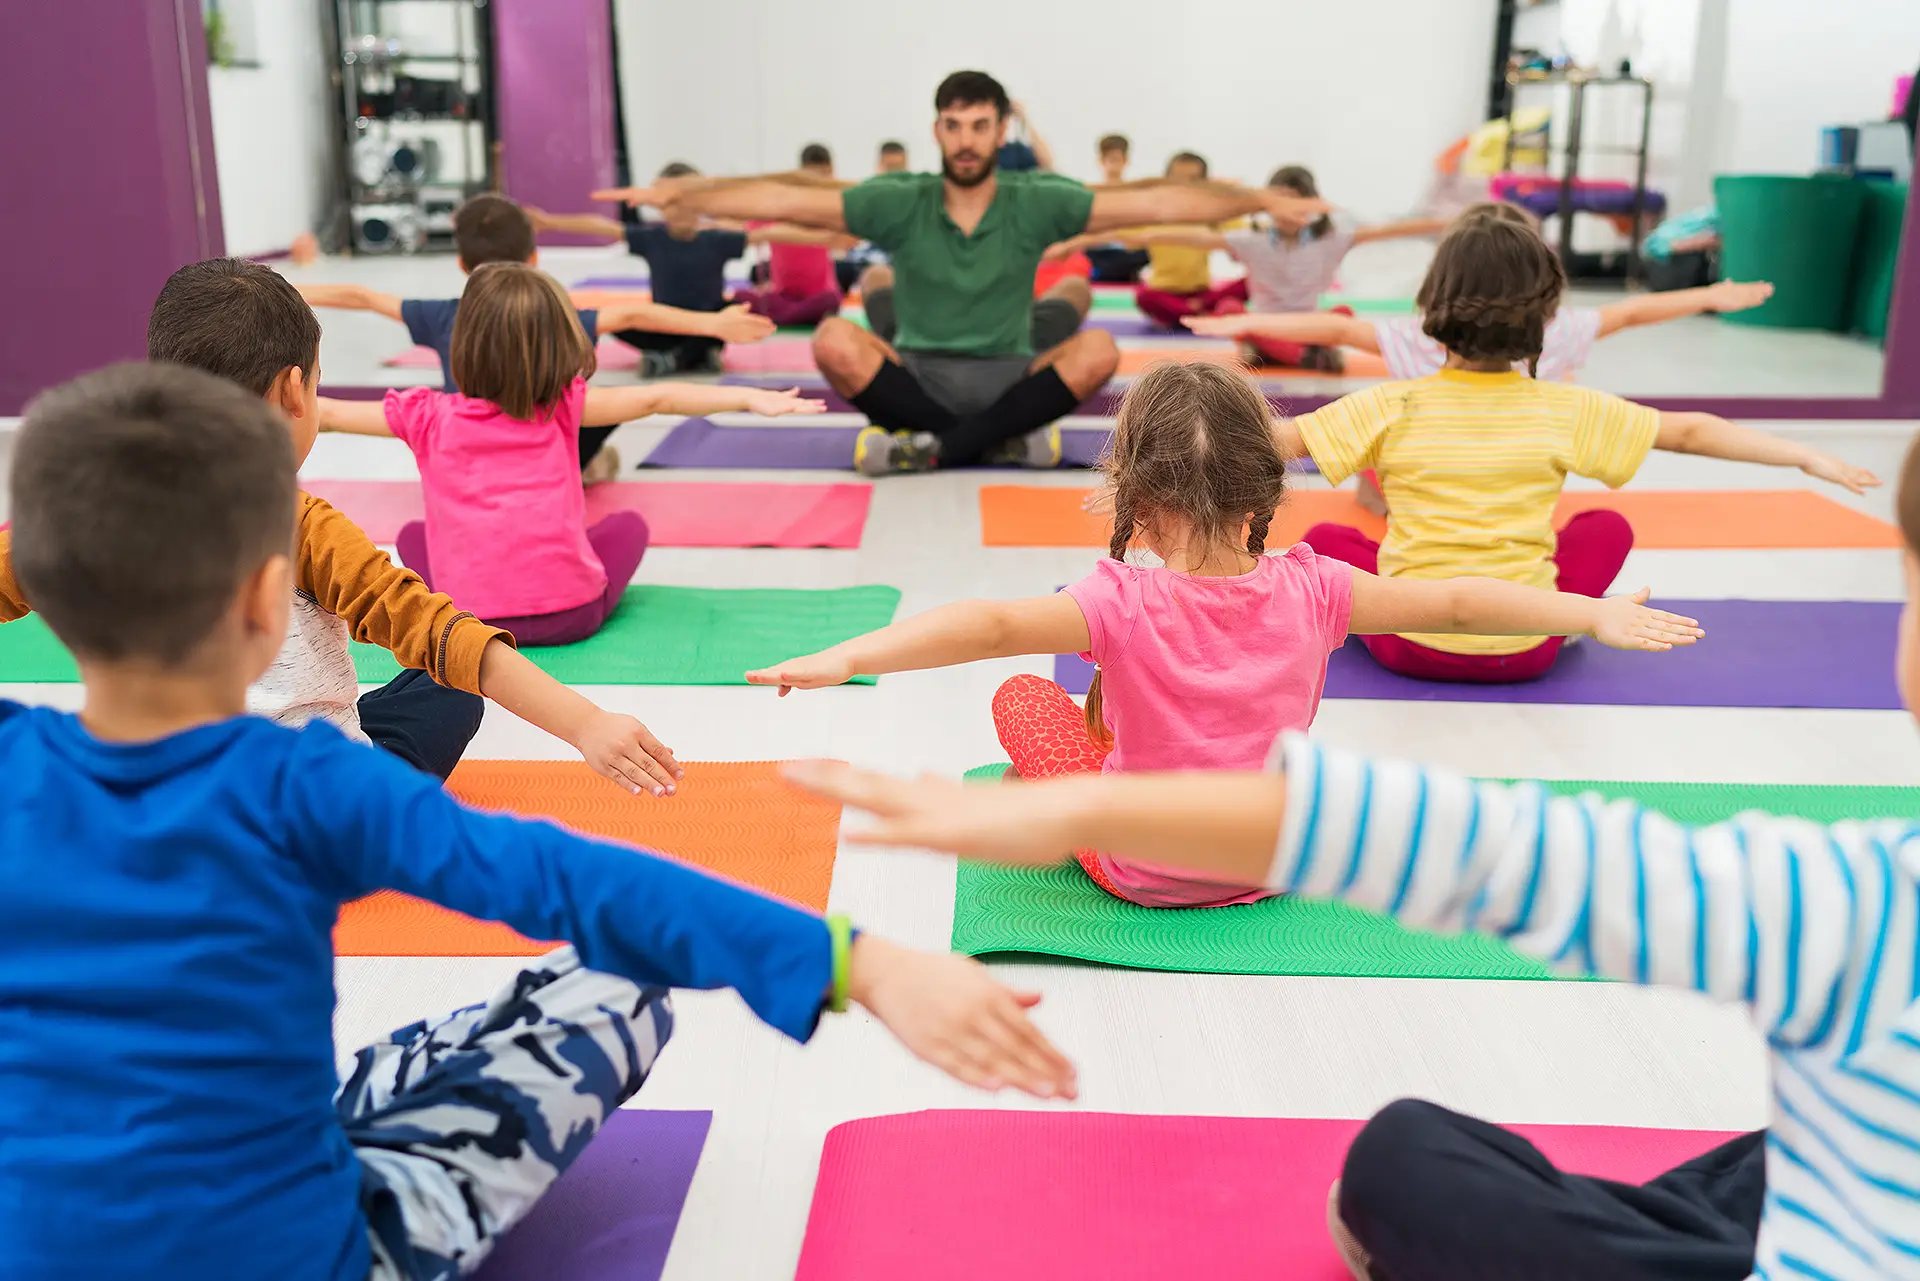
(986,171)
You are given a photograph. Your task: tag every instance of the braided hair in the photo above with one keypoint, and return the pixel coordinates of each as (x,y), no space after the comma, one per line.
(1490,291)
(1192,442)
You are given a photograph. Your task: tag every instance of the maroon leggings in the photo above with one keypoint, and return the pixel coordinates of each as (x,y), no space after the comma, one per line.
(1166,308)
(619,539)
(790,309)
(1593,547)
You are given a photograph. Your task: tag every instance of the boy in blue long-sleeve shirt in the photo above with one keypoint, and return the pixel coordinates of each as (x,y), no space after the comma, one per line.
(170,874)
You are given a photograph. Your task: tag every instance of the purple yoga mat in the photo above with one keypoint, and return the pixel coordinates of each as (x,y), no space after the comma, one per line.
(1123,326)
(1758,653)
(697,442)
(611,1216)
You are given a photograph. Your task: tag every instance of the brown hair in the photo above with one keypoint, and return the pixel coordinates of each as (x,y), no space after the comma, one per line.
(1299,180)
(490,228)
(1500,210)
(517,340)
(235,319)
(1907,502)
(1195,441)
(1191,157)
(1115,142)
(1491,289)
(116,461)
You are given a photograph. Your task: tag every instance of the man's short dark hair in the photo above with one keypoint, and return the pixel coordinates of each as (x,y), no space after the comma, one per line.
(144,496)
(892,148)
(969,88)
(678,169)
(1115,142)
(491,228)
(1187,157)
(815,153)
(235,319)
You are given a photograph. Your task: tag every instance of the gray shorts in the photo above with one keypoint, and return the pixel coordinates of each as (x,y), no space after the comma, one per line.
(969,384)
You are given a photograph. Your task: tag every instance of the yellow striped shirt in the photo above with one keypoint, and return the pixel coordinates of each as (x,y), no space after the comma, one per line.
(1471,465)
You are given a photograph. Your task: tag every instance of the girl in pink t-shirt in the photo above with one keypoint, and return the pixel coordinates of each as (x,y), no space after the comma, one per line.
(506,533)
(1206,658)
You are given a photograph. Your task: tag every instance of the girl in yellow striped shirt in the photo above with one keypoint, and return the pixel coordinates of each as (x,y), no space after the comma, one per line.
(1473,458)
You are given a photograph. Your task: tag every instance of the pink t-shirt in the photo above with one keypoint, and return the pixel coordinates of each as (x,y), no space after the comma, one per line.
(506,517)
(1204,673)
(800,270)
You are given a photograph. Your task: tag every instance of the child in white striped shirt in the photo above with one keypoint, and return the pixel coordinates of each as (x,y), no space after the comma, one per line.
(1814,929)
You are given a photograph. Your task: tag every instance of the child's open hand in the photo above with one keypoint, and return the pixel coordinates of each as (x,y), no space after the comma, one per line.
(626,751)
(738,324)
(1232,326)
(774,404)
(950,1012)
(815,671)
(1625,622)
(1025,826)
(1737,295)
(1844,474)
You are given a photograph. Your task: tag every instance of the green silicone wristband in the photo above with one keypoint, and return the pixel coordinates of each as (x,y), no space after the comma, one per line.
(840,930)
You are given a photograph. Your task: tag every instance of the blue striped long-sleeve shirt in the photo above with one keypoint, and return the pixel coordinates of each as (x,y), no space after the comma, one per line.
(1812,928)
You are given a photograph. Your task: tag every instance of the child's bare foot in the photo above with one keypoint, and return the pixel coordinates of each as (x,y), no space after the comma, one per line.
(604,466)
(1370,498)
(1357,1260)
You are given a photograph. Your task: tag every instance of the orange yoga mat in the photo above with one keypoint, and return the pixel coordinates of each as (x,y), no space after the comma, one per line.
(734,818)
(1359,364)
(1033,516)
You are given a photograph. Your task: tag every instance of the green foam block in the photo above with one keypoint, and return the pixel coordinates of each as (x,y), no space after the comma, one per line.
(658,636)
(1060,912)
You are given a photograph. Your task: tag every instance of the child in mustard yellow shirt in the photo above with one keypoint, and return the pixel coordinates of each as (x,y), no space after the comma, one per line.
(1472,459)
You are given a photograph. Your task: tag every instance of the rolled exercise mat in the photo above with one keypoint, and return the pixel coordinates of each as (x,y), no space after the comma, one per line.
(611,1216)
(1798,233)
(698,442)
(692,635)
(1767,519)
(738,819)
(1757,653)
(678,514)
(1045,1196)
(1060,911)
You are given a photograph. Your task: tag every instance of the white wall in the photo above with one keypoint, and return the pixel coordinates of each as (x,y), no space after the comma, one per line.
(273,127)
(1365,92)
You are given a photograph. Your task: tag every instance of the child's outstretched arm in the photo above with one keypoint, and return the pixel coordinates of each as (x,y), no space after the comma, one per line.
(1491,607)
(1187,237)
(363,821)
(606,406)
(1319,328)
(351,298)
(729,324)
(618,747)
(354,417)
(1400,230)
(1653,309)
(1714,437)
(963,632)
(583,224)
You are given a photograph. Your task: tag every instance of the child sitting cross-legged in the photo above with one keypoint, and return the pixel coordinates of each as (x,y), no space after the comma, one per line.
(170,874)
(1204,658)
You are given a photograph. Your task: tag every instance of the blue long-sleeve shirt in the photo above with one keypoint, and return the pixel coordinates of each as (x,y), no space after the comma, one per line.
(166,979)
(1814,929)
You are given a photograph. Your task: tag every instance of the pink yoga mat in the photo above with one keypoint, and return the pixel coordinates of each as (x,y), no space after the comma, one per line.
(1046,1196)
(774,356)
(679,514)
(612,353)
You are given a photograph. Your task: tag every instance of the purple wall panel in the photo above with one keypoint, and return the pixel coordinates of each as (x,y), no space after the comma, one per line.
(553,60)
(110,179)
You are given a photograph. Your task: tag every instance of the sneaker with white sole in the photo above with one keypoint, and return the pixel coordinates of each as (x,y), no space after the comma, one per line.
(602,467)
(879,452)
(1039,449)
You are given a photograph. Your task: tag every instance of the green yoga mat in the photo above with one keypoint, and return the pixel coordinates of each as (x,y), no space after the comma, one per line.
(1060,912)
(658,636)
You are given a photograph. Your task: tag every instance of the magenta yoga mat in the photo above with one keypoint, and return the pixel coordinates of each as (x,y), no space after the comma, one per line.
(1048,1196)
(1758,653)
(678,513)
(697,442)
(611,1216)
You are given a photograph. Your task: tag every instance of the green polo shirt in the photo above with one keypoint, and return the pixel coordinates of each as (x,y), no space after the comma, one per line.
(959,294)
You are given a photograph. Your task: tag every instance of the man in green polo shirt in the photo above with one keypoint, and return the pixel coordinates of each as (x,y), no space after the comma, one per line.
(962,366)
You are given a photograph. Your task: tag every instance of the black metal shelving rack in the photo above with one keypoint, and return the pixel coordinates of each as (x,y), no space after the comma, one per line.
(1577,84)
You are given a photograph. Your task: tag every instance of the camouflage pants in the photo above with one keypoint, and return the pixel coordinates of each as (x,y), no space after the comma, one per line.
(462,1124)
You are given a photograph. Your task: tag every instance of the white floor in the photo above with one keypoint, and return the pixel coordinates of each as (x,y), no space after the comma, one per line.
(1148,1042)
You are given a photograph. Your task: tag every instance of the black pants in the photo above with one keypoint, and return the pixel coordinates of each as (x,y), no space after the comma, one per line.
(421,721)
(1114,265)
(1433,1195)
